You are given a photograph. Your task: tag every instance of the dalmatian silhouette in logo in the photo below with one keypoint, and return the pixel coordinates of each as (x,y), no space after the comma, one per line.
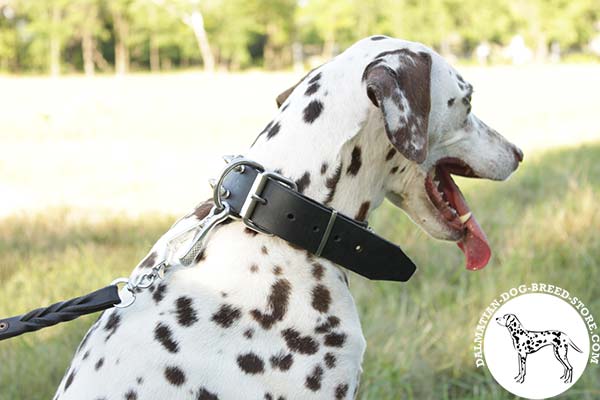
(528,342)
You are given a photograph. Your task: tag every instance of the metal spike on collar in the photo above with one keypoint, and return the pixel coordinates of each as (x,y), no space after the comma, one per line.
(222,191)
(228,158)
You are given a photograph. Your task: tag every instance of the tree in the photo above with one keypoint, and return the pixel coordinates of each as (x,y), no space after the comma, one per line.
(120,11)
(84,17)
(232,27)
(275,19)
(329,19)
(9,38)
(48,28)
(188,11)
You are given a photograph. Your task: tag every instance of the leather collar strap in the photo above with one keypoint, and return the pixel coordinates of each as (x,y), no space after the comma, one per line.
(269,205)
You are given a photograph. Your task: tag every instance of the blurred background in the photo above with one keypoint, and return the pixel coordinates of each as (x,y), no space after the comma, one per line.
(114,114)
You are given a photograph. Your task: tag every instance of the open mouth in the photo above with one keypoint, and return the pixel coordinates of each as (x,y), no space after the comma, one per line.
(455,212)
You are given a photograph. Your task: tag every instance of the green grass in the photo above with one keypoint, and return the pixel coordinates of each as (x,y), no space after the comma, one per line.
(543,226)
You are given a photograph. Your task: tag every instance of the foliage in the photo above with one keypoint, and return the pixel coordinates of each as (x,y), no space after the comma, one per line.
(41,35)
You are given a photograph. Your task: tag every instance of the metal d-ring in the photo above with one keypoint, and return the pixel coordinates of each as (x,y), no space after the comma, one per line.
(235,163)
(124,302)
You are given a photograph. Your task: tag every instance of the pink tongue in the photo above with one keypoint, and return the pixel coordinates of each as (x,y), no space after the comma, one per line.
(475,244)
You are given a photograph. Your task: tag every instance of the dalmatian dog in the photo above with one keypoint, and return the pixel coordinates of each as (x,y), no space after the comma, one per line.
(528,342)
(255,318)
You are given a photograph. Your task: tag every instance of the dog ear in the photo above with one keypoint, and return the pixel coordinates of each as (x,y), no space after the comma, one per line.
(398,82)
(286,93)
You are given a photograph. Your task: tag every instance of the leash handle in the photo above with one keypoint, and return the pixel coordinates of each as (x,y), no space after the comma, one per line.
(63,311)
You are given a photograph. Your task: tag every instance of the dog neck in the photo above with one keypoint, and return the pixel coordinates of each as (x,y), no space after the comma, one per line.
(346,174)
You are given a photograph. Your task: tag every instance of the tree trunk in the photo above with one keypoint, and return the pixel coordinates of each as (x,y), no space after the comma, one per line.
(196,22)
(269,53)
(55,43)
(88,43)
(87,49)
(121,51)
(99,60)
(154,54)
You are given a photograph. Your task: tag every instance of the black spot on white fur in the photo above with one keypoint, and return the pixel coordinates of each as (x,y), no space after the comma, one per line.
(315,78)
(282,361)
(321,298)
(379,37)
(159,293)
(263,132)
(186,315)
(175,376)
(250,363)
(340,391)
(70,379)
(204,394)
(277,304)
(303,182)
(335,339)
(274,130)
(331,184)
(313,381)
(298,343)
(355,161)
(114,320)
(317,271)
(164,335)
(324,168)
(363,210)
(390,154)
(330,360)
(312,111)
(329,324)
(226,315)
(312,89)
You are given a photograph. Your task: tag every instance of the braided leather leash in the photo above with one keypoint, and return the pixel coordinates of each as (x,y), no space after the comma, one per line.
(63,311)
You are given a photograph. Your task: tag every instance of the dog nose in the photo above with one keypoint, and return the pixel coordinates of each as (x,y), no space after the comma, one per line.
(518,153)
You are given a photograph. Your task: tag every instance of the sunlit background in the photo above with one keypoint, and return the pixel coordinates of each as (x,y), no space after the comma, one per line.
(114,114)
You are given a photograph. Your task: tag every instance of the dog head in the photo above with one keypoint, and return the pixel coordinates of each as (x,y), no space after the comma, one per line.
(508,320)
(426,110)
(415,101)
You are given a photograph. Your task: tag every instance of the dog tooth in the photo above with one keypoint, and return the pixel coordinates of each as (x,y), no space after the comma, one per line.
(465,218)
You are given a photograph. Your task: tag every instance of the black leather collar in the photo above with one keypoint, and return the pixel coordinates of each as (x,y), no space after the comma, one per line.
(268,204)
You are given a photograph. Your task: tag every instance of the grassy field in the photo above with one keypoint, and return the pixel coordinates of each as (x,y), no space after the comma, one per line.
(58,239)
